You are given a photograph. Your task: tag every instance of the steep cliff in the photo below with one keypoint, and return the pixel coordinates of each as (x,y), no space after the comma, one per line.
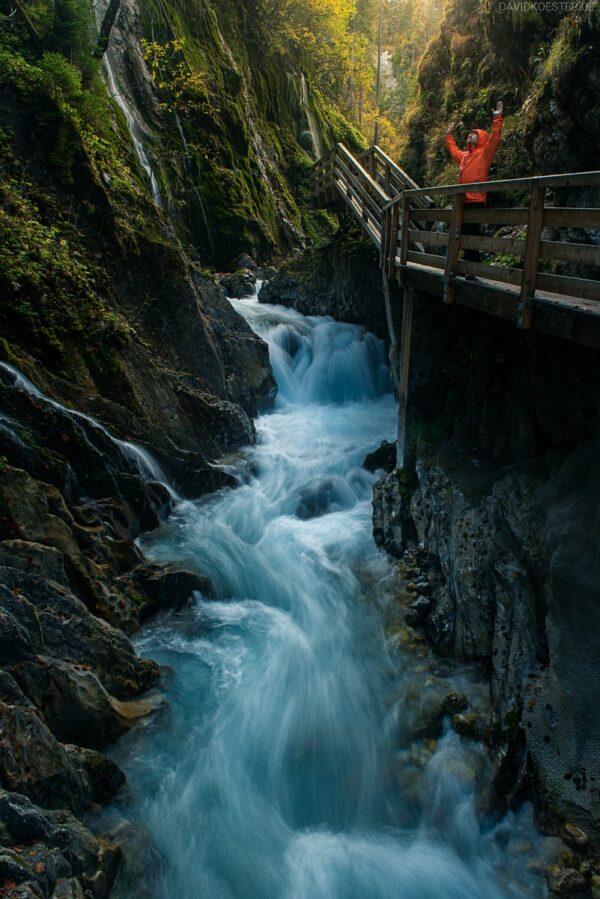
(229,125)
(502,502)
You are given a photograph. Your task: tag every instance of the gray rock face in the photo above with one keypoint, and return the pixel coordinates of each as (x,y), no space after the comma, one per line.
(342,280)
(504,501)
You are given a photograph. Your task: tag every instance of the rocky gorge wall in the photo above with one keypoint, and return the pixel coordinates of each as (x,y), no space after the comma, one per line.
(500,512)
(124,374)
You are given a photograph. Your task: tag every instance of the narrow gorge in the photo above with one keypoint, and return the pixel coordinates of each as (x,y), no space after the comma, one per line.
(249,648)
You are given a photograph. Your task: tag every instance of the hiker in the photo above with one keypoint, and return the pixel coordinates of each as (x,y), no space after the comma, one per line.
(474,165)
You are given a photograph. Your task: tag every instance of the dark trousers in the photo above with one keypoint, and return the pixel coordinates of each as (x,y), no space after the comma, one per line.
(472,228)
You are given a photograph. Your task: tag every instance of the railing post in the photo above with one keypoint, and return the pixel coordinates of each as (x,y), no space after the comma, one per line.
(387,178)
(453,253)
(372,164)
(404,237)
(385,238)
(393,243)
(535,223)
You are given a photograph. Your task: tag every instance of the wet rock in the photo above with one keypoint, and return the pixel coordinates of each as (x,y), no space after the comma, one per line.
(341,279)
(68,889)
(574,836)
(565,882)
(34,558)
(468,725)
(103,776)
(383,457)
(49,853)
(240,284)
(243,261)
(75,705)
(15,643)
(168,587)
(418,611)
(21,821)
(71,633)
(34,763)
(453,703)
(142,863)
(390,508)
(322,495)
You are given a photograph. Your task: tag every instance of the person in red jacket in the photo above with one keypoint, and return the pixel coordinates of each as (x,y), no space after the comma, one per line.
(474,165)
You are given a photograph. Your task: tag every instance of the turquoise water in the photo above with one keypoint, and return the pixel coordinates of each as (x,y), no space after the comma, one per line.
(278,770)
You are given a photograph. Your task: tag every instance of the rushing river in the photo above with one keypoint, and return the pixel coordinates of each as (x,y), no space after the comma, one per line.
(279,770)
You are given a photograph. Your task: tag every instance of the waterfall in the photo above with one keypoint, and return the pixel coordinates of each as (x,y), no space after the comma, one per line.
(132,118)
(314,129)
(280,771)
(143,462)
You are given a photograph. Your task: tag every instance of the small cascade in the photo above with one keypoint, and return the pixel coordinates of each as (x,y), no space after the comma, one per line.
(136,132)
(143,462)
(314,129)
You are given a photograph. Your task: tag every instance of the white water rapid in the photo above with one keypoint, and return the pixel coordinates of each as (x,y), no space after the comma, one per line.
(279,770)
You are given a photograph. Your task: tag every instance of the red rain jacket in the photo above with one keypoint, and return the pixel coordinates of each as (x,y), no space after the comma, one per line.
(474,162)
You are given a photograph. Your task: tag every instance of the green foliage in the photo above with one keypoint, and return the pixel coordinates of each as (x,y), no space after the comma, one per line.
(65,79)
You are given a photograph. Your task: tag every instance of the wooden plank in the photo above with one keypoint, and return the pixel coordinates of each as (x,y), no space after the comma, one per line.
(491,272)
(400,177)
(431,215)
(579,288)
(426,259)
(428,238)
(360,185)
(402,447)
(345,154)
(360,208)
(497,216)
(531,259)
(589,254)
(345,174)
(557,216)
(452,256)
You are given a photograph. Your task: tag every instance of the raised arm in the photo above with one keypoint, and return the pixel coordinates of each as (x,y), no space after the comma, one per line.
(453,150)
(492,144)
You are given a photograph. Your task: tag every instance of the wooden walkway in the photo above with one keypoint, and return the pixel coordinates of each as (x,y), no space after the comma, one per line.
(418,234)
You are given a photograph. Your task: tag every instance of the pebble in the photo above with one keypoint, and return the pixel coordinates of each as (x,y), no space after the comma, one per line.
(574,836)
(564,881)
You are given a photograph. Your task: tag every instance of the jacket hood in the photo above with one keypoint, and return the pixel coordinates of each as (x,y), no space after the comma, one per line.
(483,139)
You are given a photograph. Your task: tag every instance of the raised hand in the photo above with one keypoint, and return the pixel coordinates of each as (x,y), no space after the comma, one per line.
(499,110)
(450,128)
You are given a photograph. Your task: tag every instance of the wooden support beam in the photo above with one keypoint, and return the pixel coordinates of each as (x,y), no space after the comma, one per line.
(535,224)
(391,259)
(403,445)
(453,253)
(405,225)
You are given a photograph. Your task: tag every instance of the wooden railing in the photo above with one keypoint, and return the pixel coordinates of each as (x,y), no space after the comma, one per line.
(399,218)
